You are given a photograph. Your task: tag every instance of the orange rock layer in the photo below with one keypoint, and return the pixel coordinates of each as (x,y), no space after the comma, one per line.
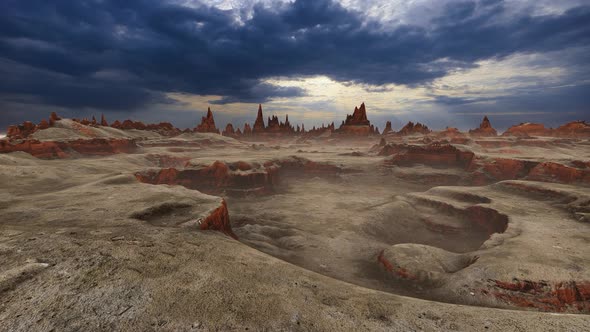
(55,149)
(484,170)
(218,220)
(238,178)
(555,297)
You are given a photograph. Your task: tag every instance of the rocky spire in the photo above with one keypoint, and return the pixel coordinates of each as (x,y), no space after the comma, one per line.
(358,117)
(207,124)
(387,128)
(259,123)
(485,129)
(103,121)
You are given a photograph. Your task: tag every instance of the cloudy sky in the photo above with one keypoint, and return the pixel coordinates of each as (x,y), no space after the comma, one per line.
(442,62)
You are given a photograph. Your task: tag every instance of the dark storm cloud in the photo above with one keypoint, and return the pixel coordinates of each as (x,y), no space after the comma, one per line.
(57,51)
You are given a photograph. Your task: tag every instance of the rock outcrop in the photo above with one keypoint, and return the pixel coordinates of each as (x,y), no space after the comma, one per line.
(247,130)
(162,128)
(207,124)
(527,129)
(358,117)
(387,129)
(237,178)
(485,129)
(27,128)
(555,297)
(453,135)
(435,155)
(58,149)
(414,129)
(259,123)
(576,129)
(218,220)
(481,170)
(273,129)
(103,121)
(319,131)
(53,117)
(229,131)
(357,124)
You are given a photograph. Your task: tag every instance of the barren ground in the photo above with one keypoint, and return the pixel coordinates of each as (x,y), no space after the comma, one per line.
(368,245)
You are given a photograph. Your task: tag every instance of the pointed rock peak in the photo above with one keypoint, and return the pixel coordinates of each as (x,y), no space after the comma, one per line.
(54,117)
(485,123)
(209,113)
(103,121)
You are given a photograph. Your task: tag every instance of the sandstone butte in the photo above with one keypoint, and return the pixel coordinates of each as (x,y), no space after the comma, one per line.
(357,124)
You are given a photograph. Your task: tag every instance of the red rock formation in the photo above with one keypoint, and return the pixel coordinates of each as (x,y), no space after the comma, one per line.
(218,220)
(580,164)
(387,128)
(43,125)
(238,178)
(128,125)
(55,149)
(570,296)
(207,124)
(554,172)
(358,117)
(527,129)
(52,118)
(499,169)
(576,129)
(483,170)
(229,131)
(436,155)
(247,130)
(259,123)
(42,150)
(103,121)
(453,135)
(374,130)
(275,128)
(216,178)
(163,128)
(412,129)
(485,129)
(357,124)
(278,128)
(314,132)
(21,131)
